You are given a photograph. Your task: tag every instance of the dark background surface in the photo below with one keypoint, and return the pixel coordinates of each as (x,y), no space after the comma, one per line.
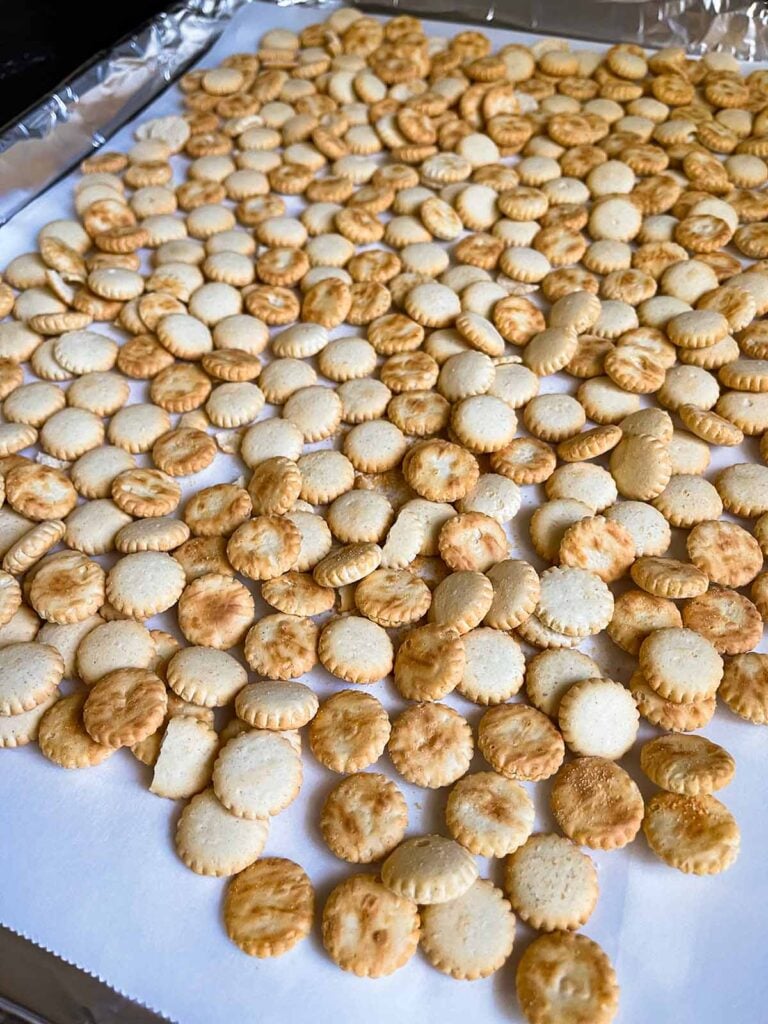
(43,41)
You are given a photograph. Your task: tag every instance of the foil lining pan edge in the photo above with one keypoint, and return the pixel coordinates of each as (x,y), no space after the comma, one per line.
(87,108)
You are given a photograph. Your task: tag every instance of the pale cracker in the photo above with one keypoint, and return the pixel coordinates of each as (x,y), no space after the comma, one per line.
(211,841)
(471,936)
(551,884)
(186,757)
(257,774)
(429,869)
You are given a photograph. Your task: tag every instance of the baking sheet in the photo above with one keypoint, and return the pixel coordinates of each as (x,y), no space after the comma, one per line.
(40,988)
(89,869)
(92,103)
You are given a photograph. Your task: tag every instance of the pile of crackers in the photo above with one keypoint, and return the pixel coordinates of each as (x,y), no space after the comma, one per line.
(355,261)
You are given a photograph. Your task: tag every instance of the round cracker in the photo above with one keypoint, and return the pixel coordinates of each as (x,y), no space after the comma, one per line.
(364,818)
(429,869)
(257,774)
(269,907)
(489,814)
(695,834)
(564,977)
(367,929)
(551,884)
(471,936)
(596,803)
(211,841)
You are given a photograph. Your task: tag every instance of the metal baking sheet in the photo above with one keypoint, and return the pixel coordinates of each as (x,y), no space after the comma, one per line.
(37,987)
(171,911)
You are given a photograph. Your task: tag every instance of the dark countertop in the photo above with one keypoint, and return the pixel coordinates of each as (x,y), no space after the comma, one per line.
(44,41)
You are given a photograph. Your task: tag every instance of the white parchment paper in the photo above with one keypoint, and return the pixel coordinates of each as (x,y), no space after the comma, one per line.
(88,868)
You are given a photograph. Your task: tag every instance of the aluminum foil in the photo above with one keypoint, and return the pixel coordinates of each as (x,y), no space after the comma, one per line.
(86,109)
(699,26)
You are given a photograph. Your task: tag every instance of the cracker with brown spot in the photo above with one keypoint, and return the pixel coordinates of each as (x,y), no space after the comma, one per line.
(563,978)
(472,542)
(440,471)
(520,742)
(461,601)
(695,834)
(691,765)
(200,556)
(367,929)
(215,610)
(393,597)
(274,486)
(601,546)
(668,577)
(589,444)
(145,492)
(349,732)
(347,565)
(269,907)
(282,646)
(10,596)
(726,552)
(183,451)
(596,803)
(67,587)
(39,492)
(364,818)
(525,460)
(489,814)
(730,621)
(296,593)
(671,715)
(32,546)
(217,511)
(636,615)
(745,687)
(63,739)
(264,547)
(431,745)
(429,663)
(516,590)
(124,706)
